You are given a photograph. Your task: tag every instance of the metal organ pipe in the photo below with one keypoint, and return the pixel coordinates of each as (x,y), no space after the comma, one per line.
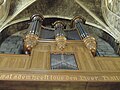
(79,27)
(89,41)
(60,35)
(35,25)
(33,33)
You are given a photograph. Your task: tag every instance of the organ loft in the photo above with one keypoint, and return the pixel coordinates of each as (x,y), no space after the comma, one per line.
(59,45)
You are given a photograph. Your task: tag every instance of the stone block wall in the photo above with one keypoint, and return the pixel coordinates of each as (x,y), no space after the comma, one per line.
(12,30)
(12,45)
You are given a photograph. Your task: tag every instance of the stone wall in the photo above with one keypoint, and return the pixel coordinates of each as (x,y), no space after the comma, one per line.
(10,42)
(12,45)
(13,29)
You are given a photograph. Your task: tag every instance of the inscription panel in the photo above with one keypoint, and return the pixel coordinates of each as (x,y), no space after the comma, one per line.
(61,77)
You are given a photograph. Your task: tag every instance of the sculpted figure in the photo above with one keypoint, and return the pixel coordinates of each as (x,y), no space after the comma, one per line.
(4,10)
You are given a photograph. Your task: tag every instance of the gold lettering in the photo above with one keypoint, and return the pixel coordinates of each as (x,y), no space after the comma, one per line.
(40,77)
(57,77)
(83,78)
(23,77)
(46,77)
(105,78)
(15,77)
(19,77)
(67,78)
(92,78)
(74,78)
(8,76)
(96,78)
(28,77)
(34,77)
(117,78)
(2,76)
(111,78)
(71,78)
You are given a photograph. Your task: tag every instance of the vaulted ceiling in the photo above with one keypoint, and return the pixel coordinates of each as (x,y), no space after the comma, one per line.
(23,9)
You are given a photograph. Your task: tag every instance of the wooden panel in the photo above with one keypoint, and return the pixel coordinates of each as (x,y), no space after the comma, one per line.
(117,65)
(41,55)
(108,63)
(39,60)
(85,58)
(82,55)
(43,47)
(13,61)
(108,58)
(7,85)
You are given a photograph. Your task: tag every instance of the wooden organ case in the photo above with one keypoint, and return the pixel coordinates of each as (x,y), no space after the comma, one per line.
(59,60)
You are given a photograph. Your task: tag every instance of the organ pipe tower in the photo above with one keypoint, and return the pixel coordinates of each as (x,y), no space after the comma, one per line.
(89,41)
(60,34)
(33,33)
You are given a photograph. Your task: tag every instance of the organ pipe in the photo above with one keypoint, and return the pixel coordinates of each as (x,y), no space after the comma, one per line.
(33,33)
(89,41)
(60,35)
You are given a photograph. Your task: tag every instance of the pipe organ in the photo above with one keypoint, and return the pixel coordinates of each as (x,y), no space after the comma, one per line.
(59,60)
(35,28)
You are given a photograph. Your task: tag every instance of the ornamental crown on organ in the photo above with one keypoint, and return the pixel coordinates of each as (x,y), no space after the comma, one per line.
(34,30)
